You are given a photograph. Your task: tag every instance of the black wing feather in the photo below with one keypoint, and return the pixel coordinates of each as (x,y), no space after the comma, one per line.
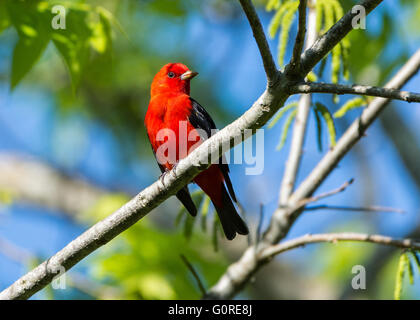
(200,118)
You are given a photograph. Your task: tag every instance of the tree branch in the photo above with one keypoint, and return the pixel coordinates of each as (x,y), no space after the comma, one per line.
(300,37)
(312,87)
(258,32)
(300,125)
(360,209)
(239,273)
(332,37)
(304,202)
(274,250)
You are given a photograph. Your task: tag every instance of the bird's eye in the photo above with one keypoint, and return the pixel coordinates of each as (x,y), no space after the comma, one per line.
(171,75)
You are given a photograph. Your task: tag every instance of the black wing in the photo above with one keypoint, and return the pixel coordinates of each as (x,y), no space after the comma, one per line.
(200,118)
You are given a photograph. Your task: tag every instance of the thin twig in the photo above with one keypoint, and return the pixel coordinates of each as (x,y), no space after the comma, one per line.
(300,37)
(362,209)
(194,273)
(259,35)
(335,237)
(312,87)
(343,187)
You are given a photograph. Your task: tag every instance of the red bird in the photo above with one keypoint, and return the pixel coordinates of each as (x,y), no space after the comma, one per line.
(171,109)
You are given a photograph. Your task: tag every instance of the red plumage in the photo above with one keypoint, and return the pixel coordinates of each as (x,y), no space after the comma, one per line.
(171,107)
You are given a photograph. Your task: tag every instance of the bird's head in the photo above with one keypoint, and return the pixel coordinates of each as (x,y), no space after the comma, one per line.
(173,77)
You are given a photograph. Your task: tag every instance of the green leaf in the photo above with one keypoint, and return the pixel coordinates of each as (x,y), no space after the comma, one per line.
(410,270)
(328,15)
(335,64)
(75,55)
(322,66)
(328,12)
(188,226)
(286,128)
(326,115)
(319,14)
(312,77)
(416,258)
(281,112)
(277,19)
(4,17)
(216,226)
(349,105)
(31,24)
(25,54)
(400,276)
(285,30)
(318,129)
(98,40)
(273,5)
(74,43)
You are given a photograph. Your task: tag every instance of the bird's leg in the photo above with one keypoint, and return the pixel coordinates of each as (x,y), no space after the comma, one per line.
(174,168)
(164,173)
(162,176)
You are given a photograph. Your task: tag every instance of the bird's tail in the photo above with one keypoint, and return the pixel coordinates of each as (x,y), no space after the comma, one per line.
(232,223)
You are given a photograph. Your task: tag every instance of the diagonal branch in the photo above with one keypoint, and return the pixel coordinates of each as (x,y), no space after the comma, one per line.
(274,250)
(260,38)
(312,87)
(306,201)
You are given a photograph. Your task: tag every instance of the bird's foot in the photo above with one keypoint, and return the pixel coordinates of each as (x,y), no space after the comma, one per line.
(162,177)
(164,173)
(174,169)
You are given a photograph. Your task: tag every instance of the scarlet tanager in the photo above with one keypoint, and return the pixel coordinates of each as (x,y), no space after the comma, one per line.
(171,110)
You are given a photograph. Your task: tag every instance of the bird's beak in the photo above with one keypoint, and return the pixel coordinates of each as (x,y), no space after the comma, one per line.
(188,75)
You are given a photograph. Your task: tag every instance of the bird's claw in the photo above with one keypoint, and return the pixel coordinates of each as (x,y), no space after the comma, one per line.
(164,173)
(174,169)
(162,177)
